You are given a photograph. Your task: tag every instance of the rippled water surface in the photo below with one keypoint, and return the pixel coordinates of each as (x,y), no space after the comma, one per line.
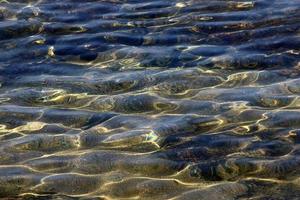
(153,99)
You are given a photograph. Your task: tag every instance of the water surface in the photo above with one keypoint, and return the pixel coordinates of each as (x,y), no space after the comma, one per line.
(154,99)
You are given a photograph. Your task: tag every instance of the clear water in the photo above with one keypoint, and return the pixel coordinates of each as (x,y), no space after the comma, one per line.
(154,99)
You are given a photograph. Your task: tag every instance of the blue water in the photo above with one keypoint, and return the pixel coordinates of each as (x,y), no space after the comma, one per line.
(154,99)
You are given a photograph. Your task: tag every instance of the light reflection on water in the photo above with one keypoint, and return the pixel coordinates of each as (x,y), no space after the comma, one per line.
(109,99)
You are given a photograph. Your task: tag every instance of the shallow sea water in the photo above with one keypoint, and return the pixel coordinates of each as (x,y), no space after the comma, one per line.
(153,99)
